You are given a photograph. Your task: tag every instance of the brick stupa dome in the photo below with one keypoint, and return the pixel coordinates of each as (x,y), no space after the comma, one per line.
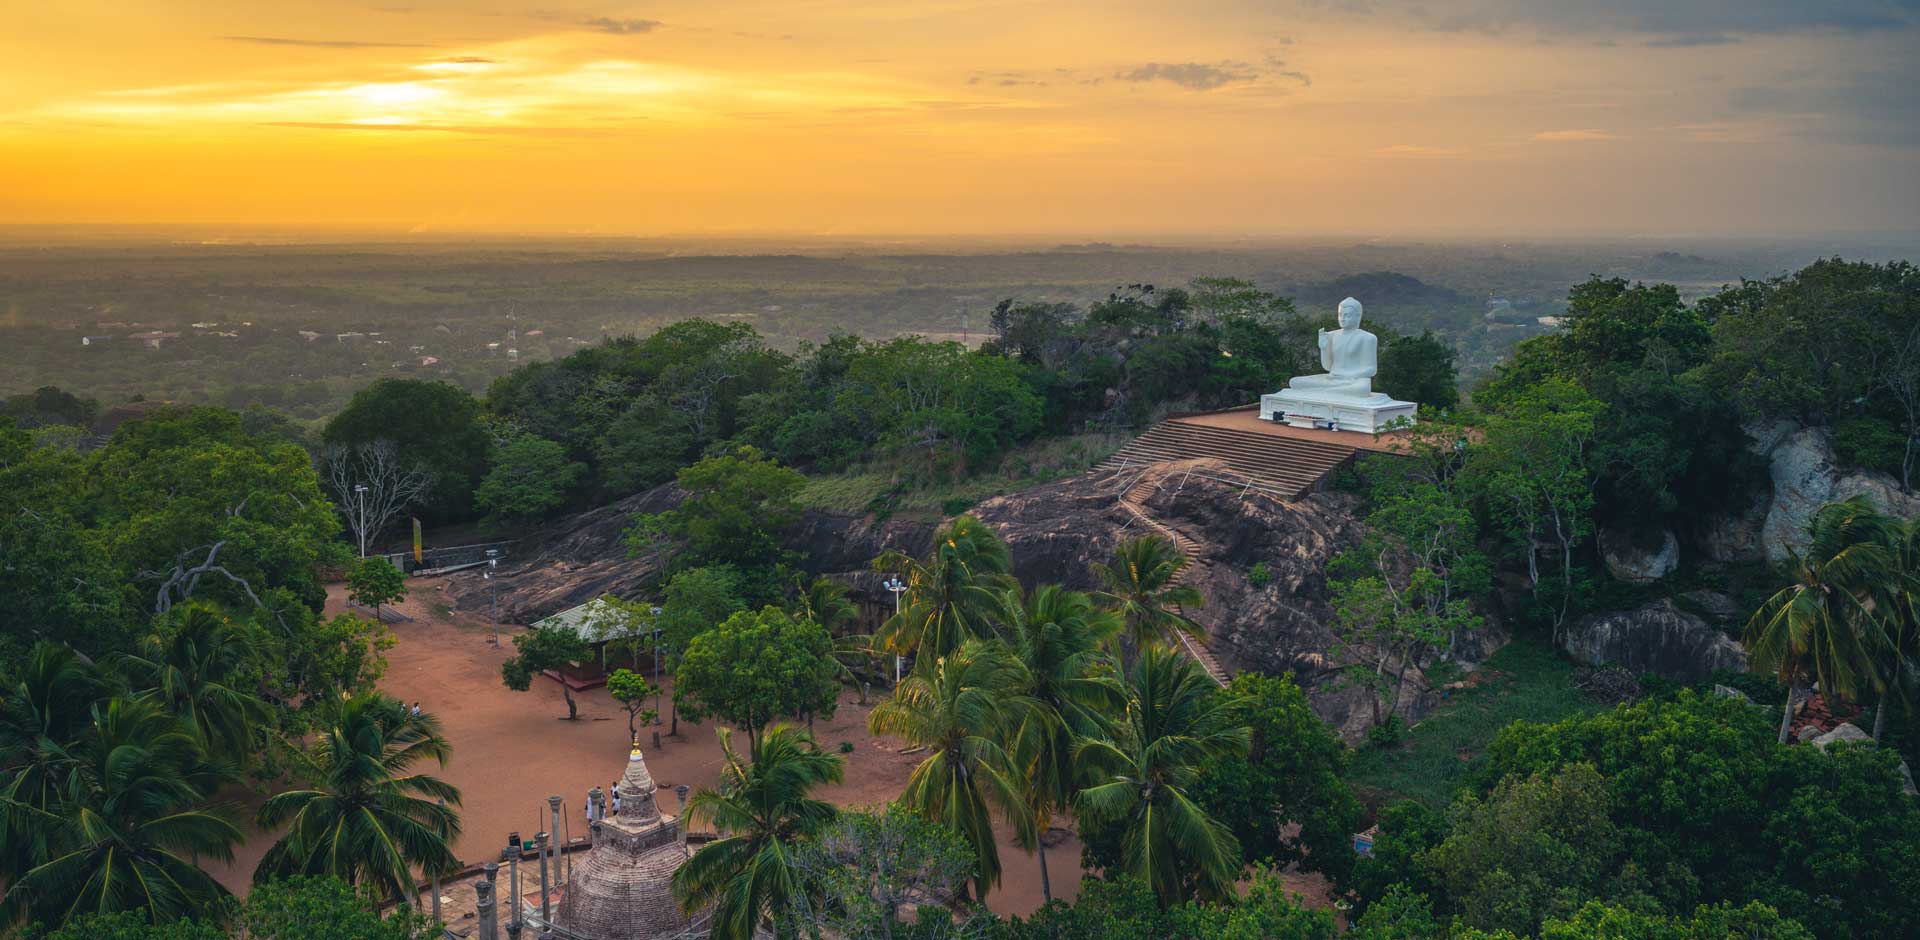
(623,889)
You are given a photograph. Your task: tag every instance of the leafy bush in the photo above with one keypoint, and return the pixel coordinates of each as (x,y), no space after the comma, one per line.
(1260,575)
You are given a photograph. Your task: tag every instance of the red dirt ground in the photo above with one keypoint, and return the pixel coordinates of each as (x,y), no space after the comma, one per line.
(512,749)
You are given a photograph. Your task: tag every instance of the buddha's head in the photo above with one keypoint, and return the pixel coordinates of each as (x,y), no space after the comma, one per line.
(1349,314)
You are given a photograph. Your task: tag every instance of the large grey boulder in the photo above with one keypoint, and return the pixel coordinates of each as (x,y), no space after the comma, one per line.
(1629,562)
(1658,638)
(1805,477)
(1848,731)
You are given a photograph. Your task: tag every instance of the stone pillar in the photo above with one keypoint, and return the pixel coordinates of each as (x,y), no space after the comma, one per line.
(512,855)
(553,834)
(436,882)
(680,812)
(484,903)
(546,904)
(594,805)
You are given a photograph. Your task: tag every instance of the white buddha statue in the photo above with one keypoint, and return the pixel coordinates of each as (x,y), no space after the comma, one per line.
(1342,397)
(1351,357)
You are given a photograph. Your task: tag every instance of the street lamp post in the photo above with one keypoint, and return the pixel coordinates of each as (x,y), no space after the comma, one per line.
(657,651)
(360,491)
(893,584)
(493,564)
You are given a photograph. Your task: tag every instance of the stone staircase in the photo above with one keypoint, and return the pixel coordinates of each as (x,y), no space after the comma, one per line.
(1284,467)
(1134,500)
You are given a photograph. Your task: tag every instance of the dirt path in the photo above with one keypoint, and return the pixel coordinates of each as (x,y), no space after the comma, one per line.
(512,749)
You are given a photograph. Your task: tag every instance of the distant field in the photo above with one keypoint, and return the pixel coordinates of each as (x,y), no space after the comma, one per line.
(300,327)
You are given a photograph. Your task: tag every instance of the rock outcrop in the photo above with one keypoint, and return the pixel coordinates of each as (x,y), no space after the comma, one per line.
(1631,563)
(1804,475)
(1054,532)
(1659,638)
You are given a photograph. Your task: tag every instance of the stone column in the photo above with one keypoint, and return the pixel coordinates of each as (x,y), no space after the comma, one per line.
(484,903)
(512,855)
(546,905)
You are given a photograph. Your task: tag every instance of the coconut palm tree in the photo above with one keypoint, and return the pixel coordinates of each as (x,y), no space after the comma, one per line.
(1059,637)
(130,817)
(43,715)
(824,601)
(1175,726)
(367,819)
(963,708)
(1898,666)
(750,877)
(952,595)
(1823,625)
(1143,586)
(189,673)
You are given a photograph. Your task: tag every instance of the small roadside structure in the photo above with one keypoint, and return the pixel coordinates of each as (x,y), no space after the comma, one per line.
(614,631)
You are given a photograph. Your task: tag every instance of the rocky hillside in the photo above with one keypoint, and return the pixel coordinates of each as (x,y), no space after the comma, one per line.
(1055,532)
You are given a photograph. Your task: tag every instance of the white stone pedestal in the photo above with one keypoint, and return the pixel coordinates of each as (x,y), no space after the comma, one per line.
(1366,415)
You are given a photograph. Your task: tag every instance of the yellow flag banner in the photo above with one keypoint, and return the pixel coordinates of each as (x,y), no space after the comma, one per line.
(416,542)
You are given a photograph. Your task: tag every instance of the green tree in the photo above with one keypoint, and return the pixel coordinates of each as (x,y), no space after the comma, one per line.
(1142,585)
(697,600)
(1286,801)
(951,596)
(367,818)
(527,478)
(866,869)
(194,669)
(762,808)
(1176,726)
(962,710)
(757,667)
(1534,848)
(288,909)
(1823,625)
(632,690)
(1531,470)
(543,649)
(737,508)
(375,581)
(1058,636)
(823,600)
(436,427)
(132,816)
(1420,369)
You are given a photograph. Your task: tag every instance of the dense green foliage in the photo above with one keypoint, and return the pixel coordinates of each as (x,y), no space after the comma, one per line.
(756,667)
(285,909)
(1663,806)
(434,424)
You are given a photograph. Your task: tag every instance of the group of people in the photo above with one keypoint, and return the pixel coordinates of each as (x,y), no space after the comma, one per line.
(613,800)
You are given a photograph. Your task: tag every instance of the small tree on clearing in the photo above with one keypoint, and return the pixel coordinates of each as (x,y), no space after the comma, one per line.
(632,690)
(756,667)
(375,581)
(541,650)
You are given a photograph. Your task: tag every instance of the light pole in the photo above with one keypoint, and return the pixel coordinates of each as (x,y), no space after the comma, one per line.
(893,584)
(493,563)
(657,649)
(360,491)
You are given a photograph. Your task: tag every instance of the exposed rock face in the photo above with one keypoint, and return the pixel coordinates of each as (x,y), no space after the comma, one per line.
(578,558)
(1716,606)
(1054,532)
(1658,638)
(1801,467)
(1630,562)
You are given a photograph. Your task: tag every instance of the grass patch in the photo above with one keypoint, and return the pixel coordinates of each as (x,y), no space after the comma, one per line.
(1525,680)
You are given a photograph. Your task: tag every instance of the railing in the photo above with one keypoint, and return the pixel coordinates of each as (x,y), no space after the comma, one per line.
(440,560)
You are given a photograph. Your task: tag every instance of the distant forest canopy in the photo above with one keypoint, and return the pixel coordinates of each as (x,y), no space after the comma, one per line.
(299,329)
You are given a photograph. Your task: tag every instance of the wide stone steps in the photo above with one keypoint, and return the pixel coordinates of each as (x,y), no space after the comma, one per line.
(1288,468)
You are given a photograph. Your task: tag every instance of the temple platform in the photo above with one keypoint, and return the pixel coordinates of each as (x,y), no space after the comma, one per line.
(1369,415)
(1268,456)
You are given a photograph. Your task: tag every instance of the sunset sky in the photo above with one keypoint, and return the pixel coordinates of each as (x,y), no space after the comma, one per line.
(930,117)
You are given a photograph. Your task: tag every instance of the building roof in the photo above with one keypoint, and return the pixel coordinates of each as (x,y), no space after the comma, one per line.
(597,621)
